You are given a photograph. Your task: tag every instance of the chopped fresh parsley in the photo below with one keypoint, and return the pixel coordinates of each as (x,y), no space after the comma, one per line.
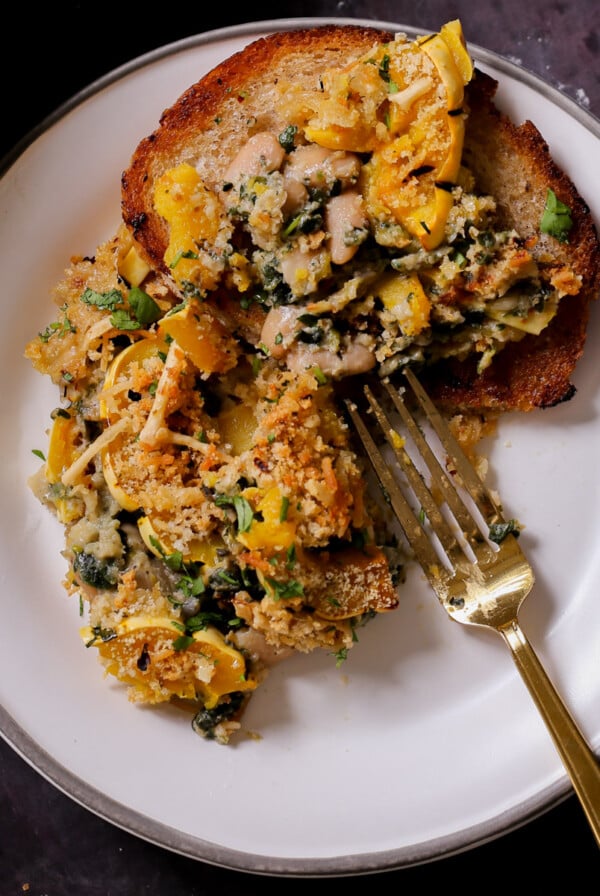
(340,657)
(108,301)
(290,557)
(101,634)
(183,254)
(142,310)
(202,620)
(287,136)
(283,510)
(556,219)
(384,68)
(285,589)
(122,320)
(175,309)
(59,327)
(191,583)
(183,642)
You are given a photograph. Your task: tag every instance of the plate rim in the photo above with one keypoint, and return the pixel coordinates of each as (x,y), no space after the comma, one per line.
(164,835)
(198,849)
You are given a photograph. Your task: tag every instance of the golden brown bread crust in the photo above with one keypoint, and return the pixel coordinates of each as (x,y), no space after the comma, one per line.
(513,163)
(210,122)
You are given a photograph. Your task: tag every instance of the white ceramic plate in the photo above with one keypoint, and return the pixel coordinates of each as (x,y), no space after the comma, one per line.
(425,742)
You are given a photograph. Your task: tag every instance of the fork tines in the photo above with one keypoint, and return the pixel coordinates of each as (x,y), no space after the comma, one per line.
(481,578)
(439,503)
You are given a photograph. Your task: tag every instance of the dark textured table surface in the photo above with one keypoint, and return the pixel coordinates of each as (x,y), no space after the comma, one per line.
(50,845)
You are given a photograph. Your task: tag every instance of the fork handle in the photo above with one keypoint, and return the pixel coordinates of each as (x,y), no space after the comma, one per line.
(578,758)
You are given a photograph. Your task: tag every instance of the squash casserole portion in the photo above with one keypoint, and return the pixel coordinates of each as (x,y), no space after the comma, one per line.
(215,511)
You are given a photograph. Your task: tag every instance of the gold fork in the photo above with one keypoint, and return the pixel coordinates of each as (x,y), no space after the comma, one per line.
(471,555)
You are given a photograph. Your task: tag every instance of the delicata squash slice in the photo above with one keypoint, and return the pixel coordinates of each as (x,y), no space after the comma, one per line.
(327,201)
(201,664)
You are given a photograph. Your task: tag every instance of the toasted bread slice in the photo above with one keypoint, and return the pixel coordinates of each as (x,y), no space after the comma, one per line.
(210,123)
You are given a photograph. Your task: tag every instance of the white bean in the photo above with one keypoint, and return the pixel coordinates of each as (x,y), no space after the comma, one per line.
(357,358)
(279,328)
(344,215)
(296,194)
(262,154)
(314,166)
(303,268)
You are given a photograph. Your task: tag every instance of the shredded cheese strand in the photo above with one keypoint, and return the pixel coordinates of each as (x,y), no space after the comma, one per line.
(155,431)
(77,468)
(179,438)
(97,330)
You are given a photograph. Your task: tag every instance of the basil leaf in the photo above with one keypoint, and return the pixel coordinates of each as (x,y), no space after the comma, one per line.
(242,507)
(144,308)
(244,512)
